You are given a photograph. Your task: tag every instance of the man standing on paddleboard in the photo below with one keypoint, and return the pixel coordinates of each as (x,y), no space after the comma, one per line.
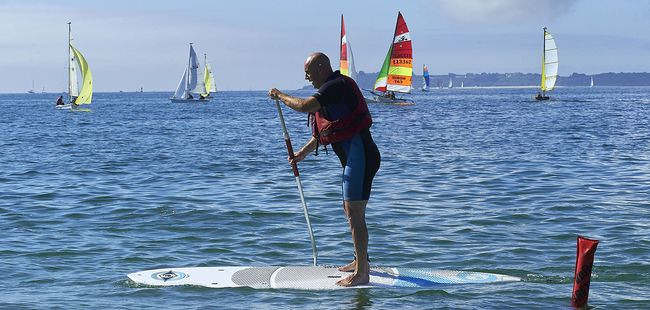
(339,116)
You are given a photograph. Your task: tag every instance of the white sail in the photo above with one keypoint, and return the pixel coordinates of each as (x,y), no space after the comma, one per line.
(181,90)
(73,88)
(353,70)
(451,84)
(193,66)
(591,81)
(550,64)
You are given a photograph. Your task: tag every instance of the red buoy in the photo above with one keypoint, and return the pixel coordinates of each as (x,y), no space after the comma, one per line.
(586,248)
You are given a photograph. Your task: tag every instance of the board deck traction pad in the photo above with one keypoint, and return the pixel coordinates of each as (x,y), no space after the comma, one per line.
(309,277)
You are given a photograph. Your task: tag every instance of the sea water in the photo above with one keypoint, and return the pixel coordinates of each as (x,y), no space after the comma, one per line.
(473,179)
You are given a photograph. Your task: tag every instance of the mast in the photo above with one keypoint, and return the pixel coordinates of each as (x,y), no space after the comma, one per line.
(206,91)
(206,76)
(189,67)
(69,42)
(543,60)
(341,41)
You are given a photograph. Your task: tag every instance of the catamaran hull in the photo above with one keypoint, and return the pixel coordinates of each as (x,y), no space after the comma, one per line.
(384,100)
(70,108)
(188,100)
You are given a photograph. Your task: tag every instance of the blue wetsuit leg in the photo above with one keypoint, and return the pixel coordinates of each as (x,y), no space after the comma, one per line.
(354,172)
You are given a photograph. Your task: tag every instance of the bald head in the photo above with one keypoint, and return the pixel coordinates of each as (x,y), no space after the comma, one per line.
(317,68)
(318,59)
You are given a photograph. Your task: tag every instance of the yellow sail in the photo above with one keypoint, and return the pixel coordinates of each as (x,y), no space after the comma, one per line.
(208,80)
(86,92)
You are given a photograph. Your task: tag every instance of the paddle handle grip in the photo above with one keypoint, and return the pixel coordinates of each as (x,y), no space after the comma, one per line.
(294,166)
(287,140)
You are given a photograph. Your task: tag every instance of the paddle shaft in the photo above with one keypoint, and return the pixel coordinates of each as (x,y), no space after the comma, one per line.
(294,167)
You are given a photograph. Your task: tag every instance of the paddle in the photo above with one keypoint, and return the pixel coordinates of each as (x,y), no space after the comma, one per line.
(294,167)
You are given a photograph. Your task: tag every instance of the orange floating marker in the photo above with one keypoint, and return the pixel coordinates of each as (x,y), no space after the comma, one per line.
(586,249)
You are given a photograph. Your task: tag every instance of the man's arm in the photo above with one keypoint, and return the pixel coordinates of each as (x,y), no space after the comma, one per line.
(304,151)
(309,104)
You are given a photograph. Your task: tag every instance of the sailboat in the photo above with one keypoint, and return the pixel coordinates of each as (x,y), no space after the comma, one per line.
(190,85)
(591,81)
(462,84)
(31,91)
(549,66)
(346,62)
(425,76)
(450,84)
(77,63)
(396,72)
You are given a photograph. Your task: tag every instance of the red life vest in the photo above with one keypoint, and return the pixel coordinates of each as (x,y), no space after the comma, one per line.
(346,127)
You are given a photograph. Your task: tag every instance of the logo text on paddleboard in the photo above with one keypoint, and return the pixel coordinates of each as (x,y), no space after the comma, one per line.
(169,275)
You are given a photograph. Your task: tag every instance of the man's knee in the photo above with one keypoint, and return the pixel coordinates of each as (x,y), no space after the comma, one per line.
(355,208)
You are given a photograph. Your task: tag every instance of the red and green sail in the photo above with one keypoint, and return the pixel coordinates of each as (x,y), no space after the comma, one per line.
(397,70)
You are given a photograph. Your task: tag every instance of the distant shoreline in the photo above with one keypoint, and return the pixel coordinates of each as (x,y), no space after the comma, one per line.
(310,88)
(517,79)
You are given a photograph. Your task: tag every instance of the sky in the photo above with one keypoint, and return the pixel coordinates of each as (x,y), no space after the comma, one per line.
(263,44)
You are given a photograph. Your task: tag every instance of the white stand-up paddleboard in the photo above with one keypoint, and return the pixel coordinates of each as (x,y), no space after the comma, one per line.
(308,277)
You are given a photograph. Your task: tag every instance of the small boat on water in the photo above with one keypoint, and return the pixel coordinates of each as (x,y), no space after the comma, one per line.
(549,66)
(591,81)
(425,77)
(396,72)
(451,83)
(346,59)
(191,88)
(77,65)
(31,91)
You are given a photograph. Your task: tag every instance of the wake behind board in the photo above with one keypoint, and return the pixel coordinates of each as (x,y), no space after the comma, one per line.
(309,278)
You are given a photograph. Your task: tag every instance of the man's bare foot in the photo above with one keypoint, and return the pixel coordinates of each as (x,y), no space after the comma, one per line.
(351,266)
(354,279)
